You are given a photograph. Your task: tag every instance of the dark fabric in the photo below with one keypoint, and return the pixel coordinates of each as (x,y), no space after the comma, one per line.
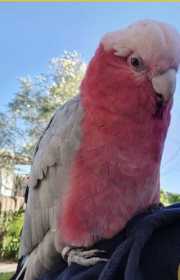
(148,249)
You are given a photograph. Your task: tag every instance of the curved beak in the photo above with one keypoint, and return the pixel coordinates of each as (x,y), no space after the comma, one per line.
(165,84)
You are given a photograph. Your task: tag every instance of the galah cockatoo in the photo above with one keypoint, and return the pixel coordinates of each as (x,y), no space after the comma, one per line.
(97,163)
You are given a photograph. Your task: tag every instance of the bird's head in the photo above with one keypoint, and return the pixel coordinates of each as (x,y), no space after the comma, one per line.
(134,70)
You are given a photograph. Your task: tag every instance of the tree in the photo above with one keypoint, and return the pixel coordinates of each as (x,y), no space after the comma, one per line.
(39,97)
(169,198)
(8,139)
(6,135)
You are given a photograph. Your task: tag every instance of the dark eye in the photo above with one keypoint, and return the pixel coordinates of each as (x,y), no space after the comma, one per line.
(136,62)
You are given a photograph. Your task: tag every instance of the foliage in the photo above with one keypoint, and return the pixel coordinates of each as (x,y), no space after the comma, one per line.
(7,139)
(11,226)
(169,198)
(6,276)
(38,98)
(34,103)
(6,135)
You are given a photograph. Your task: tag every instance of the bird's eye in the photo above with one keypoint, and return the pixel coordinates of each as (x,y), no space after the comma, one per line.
(136,63)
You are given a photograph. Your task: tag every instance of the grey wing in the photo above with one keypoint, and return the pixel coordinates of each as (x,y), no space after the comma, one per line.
(50,173)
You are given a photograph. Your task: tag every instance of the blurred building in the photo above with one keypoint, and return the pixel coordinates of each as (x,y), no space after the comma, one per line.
(12,188)
(7,177)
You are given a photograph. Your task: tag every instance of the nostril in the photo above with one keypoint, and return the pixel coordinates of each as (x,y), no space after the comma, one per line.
(159,106)
(159,99)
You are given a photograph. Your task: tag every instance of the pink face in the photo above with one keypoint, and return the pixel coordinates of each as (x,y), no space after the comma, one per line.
(122,85)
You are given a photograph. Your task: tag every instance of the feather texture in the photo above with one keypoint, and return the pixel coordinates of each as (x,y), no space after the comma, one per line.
(49,178)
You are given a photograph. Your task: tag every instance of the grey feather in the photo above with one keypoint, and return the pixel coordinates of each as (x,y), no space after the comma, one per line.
(51,167)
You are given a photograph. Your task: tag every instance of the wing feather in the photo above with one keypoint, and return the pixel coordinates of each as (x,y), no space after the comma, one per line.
(50,173)
(51,148)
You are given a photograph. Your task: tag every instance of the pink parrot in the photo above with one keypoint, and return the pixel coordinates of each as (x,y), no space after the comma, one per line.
(98,162)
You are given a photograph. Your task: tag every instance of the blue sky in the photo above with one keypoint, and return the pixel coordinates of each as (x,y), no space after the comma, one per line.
(32,33)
